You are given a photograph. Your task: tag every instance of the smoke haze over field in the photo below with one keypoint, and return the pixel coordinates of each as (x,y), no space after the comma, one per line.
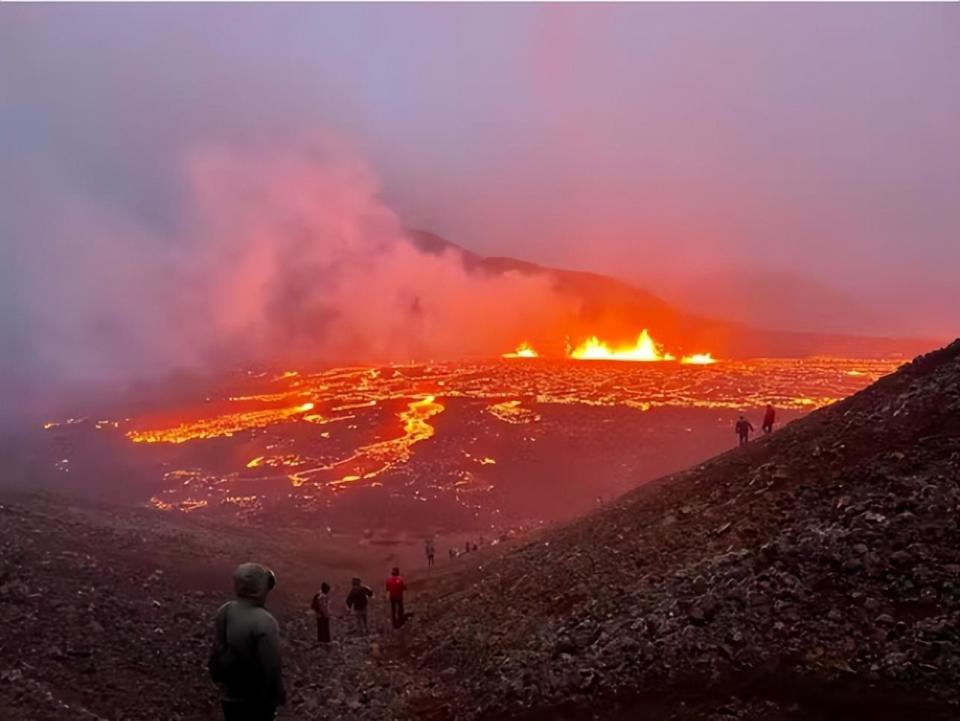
(281,254)
(187,183)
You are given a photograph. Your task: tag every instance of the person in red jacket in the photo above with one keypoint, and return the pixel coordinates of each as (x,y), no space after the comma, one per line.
(395,589)
(768,419)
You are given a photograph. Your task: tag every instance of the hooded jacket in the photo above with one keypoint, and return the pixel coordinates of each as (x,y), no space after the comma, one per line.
(253,637)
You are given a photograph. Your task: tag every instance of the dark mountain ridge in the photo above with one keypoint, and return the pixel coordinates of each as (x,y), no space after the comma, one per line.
(613,309)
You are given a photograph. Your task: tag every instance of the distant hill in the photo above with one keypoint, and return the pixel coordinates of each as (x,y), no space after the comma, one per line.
(810,575)
(613,309)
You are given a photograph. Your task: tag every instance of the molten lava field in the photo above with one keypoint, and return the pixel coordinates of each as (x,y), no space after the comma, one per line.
(495,445)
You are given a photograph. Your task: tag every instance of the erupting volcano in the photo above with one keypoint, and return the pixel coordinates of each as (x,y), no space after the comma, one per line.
(635,436)
(644,350)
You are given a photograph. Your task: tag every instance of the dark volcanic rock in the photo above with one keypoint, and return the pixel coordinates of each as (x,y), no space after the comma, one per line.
(94,630)
(820,561)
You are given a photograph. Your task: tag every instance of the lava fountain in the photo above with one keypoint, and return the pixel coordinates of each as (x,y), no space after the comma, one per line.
(524,350)
(645,349)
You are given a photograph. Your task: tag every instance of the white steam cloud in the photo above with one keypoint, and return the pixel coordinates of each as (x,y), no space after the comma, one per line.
(281,254)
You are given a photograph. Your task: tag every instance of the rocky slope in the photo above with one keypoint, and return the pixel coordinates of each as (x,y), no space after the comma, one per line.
(813,574)
(105,614)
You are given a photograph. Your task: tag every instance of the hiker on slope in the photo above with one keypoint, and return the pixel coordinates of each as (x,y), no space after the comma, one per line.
(245,659)
(321,606)
(768,419)
(395,589)
(743,428)
(357,601)
(430,551)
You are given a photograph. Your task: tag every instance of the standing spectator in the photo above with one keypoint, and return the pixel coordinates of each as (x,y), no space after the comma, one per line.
(321,607)
(395,589)
(245,659)
(357,601)
(768,419)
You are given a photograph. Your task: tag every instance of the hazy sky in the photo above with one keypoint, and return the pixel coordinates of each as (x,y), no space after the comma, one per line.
(815,144)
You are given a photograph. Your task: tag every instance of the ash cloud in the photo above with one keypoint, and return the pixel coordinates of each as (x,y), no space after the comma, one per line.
(283,254)
(656,144)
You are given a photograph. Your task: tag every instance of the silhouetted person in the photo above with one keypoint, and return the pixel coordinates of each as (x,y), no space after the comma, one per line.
(743,428)
(357,601)
(245,660)
(431,551)
(769,417)
(321,607)
(395,589)
(452,553)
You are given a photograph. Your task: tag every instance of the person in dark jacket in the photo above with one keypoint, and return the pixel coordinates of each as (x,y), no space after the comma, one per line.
(321,607)
(769,417)
(395,589)
(743,428)
(245,660)
(357,601)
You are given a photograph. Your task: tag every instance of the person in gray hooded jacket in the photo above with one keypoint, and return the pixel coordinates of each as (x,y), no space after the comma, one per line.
(245,660)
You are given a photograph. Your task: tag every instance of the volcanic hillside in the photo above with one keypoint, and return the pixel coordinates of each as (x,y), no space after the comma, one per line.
(613,309)
(810,575)
(814,574)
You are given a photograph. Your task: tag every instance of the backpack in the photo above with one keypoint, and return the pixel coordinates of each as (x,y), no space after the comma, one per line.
(225,665)
(315,603)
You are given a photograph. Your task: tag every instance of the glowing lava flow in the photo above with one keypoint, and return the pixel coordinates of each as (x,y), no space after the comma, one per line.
(698,359)
(645,349)
(225,425)
(524,350)
(387,454)
(512,412)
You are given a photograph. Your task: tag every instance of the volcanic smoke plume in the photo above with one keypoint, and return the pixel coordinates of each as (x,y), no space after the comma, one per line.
(281,254)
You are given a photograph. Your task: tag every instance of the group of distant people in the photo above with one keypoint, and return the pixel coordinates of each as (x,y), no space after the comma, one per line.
(245,657)
(430,550)
(468,547)
(744,428)
(357,603)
